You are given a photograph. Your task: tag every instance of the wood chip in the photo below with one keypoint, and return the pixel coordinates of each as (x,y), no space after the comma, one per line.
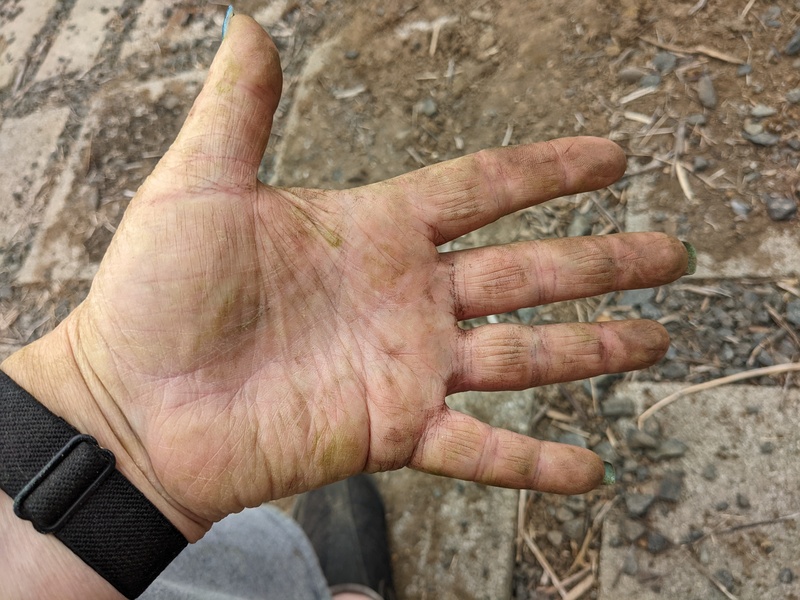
(635,95)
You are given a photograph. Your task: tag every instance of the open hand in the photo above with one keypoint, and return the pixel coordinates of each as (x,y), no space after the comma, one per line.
(243,342)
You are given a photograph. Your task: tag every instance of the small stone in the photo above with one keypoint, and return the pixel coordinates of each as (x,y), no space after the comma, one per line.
(630,566)
(656,543)
(671,448)
(700,164)
(762,139)
(794,144)
(780,208)
(767,448)
(641,440)
(606,451)
(786,575)
(556,538)
(762,111)
(580,226)
(793,96)
(630,74)
(720,506)
(793,312)
(793,47)
(671,487)
(744,70)
(427,107)
(563,514)
(696,119)
(706,92)
(574,529)
(650,80)
(674,370)
(632,530)
(665,62)
(618,407)
(725,578)
(576,504)
(636,297)
(638,504)
(752,128)
(740,208)
(573,439)
(742,501)
(352,54)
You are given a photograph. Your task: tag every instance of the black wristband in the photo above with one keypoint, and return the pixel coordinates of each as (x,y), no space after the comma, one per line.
(65,484)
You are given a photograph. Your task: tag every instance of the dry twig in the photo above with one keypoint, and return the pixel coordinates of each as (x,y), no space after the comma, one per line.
(765,371)
(545,565)
(705,50)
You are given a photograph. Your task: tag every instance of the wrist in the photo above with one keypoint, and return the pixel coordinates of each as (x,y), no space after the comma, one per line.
(57,371)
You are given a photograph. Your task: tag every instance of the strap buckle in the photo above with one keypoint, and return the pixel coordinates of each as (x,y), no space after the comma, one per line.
(19,500)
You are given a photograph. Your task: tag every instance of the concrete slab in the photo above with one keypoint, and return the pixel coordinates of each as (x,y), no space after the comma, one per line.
(81,38)
(162,24)
(454,540)
(25,146)
(19,24)
(750,436)
(114,153)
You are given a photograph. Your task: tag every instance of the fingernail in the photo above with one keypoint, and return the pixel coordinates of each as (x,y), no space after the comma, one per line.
(609,477)
(227,20)
(692,266)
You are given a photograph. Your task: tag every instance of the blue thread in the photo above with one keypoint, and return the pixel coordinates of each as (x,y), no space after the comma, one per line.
(227,20)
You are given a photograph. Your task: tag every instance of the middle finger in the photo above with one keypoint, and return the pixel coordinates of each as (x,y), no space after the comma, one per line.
(498,279)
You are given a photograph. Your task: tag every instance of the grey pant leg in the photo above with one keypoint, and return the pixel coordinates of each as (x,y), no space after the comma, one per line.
(259,553)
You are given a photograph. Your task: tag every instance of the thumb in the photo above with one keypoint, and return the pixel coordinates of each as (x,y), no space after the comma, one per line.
(226,132)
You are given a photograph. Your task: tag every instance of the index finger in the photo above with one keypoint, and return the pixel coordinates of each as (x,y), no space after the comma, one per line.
(458,196)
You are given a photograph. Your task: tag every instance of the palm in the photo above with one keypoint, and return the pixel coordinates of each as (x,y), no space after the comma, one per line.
(262,341)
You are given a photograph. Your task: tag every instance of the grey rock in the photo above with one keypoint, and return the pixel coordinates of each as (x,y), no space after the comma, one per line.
(671,448)
(573,439)
(656,543)
(674,370)
(618,407)
(630,74)
(794,144)
(762,139)
(751,177)
(630,566)
(637,504)
(780,208)
(563,514)
(665,62)
(637,297)
(648,310)
(752,128)
(725,578)
(793,47)
(632,530)
(706,92)
(671,487)
(744,70)
(740,208)
(793,96)
(722,505)
(580,226)
(650,80)
(762,111)
(742,501)
(793,312)
(606,451)
(427,107)
(574,529)
(526,315)
(696,119)
(556,538)
(700,164)
(641,440)
(786,575)
(352,54)
(576,504)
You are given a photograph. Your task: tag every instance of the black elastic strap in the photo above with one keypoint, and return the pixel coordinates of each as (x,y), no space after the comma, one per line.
(65,484)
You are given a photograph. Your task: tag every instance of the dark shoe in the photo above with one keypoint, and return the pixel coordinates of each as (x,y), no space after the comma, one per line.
(346,524)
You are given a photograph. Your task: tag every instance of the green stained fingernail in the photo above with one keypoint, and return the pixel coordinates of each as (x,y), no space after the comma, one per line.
(692,266)
(609,477)
(227,20)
